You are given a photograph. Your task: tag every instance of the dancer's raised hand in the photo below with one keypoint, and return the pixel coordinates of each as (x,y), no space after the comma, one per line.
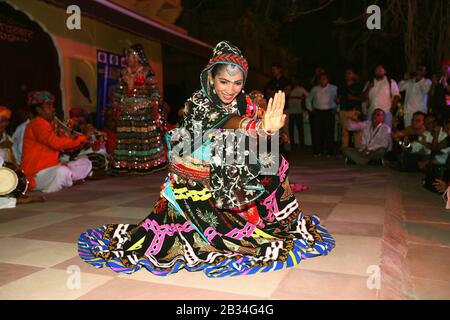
(274,118)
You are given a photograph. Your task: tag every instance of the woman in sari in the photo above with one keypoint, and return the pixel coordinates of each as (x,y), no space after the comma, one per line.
(224,218)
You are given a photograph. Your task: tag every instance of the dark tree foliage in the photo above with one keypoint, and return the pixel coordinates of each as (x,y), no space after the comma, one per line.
(303,34)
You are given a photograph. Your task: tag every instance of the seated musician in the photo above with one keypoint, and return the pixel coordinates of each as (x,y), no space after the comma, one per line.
(42,145)
(6,151)
(415,141)
(79,123)
(9,202)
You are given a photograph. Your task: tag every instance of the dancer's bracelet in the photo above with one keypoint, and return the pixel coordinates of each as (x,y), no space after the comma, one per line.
(265,131)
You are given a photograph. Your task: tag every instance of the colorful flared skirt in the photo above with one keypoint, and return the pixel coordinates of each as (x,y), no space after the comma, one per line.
(185,230)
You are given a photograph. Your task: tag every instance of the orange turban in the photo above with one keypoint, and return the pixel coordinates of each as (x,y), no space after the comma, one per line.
(5,112)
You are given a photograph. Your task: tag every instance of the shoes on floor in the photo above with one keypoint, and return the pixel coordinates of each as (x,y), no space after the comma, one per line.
(349,161)
(376,163)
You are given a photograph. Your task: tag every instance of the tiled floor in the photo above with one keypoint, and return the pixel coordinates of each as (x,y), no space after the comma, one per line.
(38,253)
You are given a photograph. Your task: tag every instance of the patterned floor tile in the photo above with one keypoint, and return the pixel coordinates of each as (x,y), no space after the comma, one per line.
(363,201)
(35,252)
(357,213)
(323,210)
(34,222)
(124,212)
(365,192)
(352,255)
(11,272)
(429,262)
(121,289)
(77,196)
(77,262)
(83,208)
(355,229)
(427,214)
(428,233)
(69,231)
(147,202)
(260,285)
(316,285)
(324,198)
(7,215)
(426,289)
(117,200)
(52,284)
(48,206)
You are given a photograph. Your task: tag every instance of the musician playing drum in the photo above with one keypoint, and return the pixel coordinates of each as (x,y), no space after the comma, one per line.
(5,140)
(10,199)
(42,146)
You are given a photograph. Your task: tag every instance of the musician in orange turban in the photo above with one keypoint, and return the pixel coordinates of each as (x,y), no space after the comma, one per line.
(42,145)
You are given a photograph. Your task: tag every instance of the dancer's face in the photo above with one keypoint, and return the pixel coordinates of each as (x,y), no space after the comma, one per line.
(228,82)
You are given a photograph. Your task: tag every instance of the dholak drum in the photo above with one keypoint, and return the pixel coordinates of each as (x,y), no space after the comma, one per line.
(100,162)
(13,182)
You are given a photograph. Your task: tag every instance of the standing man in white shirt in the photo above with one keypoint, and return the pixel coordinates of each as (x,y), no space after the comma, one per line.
(376,140)
(295,100)
(321,102)
(381,93)
(416,90)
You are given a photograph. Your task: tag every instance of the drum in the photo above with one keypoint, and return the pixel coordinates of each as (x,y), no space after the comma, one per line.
(13,182)
(100,162)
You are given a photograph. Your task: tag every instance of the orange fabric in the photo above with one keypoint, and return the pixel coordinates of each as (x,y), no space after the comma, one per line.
(41,147)
(5,112)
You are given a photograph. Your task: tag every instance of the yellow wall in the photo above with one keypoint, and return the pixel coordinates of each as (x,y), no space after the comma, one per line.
(77,49)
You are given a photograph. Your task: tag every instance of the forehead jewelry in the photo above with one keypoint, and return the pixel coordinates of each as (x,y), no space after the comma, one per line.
(232,70)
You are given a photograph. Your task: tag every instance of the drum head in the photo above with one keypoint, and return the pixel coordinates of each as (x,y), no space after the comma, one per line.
(8,181)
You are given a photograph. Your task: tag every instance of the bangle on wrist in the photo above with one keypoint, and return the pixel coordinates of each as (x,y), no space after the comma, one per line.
(265,131)
(242,124)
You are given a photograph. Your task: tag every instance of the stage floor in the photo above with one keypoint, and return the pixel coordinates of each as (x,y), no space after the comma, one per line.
(38,242)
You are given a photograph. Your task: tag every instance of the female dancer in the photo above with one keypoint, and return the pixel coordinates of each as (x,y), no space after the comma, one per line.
(226,219)
(139,147)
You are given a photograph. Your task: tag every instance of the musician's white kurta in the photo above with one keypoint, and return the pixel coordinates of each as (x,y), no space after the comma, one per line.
(55,178)
(6,202)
